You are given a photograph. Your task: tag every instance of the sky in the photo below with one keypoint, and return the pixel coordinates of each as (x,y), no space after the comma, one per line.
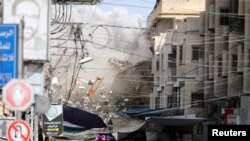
(133,7)
(143,7)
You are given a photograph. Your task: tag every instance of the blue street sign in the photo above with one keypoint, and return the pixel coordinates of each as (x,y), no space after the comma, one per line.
(8,52)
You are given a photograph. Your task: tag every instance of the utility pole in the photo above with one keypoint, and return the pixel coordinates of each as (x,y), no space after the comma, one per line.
(20,59)
(32,120)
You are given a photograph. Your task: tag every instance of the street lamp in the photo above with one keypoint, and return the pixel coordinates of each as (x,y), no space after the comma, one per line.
(85,60)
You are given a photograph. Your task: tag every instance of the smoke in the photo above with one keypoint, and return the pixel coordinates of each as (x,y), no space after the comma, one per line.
(114,33)
(114,39)
(118,33)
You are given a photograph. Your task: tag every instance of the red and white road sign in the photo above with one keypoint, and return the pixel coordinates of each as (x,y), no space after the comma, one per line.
(18,95)
(18,130)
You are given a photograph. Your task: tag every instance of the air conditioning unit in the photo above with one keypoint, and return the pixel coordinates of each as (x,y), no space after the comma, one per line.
(225,30)
(159,89)
(77,2)
(202,23)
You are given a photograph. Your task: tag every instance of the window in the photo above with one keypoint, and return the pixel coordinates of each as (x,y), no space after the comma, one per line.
(157,102)
(172,58)
(224,19)
(226,44)
(201,52)
(181,55)
(234,61)
(157,65)
(170,101)
(176,97)
(171,61)
(220,67)
(197,100)
(195,53)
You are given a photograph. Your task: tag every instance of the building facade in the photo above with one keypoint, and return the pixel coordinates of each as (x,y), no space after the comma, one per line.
(178,52)
(200,55)
(178,77)
(201,59)
(226,60)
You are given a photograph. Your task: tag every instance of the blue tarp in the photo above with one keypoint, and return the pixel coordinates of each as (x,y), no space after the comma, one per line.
(136,111)
(148,112)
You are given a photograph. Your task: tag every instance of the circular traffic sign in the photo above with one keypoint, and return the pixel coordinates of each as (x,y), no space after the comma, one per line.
(18,95)
(18,130)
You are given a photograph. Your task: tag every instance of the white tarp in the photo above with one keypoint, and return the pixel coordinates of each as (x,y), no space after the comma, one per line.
(127,125)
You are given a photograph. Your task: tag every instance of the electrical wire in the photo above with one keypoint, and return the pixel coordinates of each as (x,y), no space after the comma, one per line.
(120,50)
(77,67)
(91,39)
(66,18)
(60,18)
(126,5)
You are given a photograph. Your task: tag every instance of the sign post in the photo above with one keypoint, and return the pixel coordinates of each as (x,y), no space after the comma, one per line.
(18,130)
(52,121)
(9,52)
(18,95)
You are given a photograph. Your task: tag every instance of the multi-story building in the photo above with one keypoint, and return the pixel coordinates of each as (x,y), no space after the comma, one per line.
(201,61)
(226,59)
(178,51)
(200,67)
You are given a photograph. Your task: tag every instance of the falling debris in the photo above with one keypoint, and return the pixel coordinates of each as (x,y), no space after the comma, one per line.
(118,63)
(95,86)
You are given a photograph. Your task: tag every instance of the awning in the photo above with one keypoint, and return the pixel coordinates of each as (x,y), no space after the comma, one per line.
(127,125)
(157,112)
(82,118)
(71,128)
(175,120)
(132,112)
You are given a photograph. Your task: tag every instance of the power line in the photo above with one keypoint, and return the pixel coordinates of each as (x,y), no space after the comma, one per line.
(126,5)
